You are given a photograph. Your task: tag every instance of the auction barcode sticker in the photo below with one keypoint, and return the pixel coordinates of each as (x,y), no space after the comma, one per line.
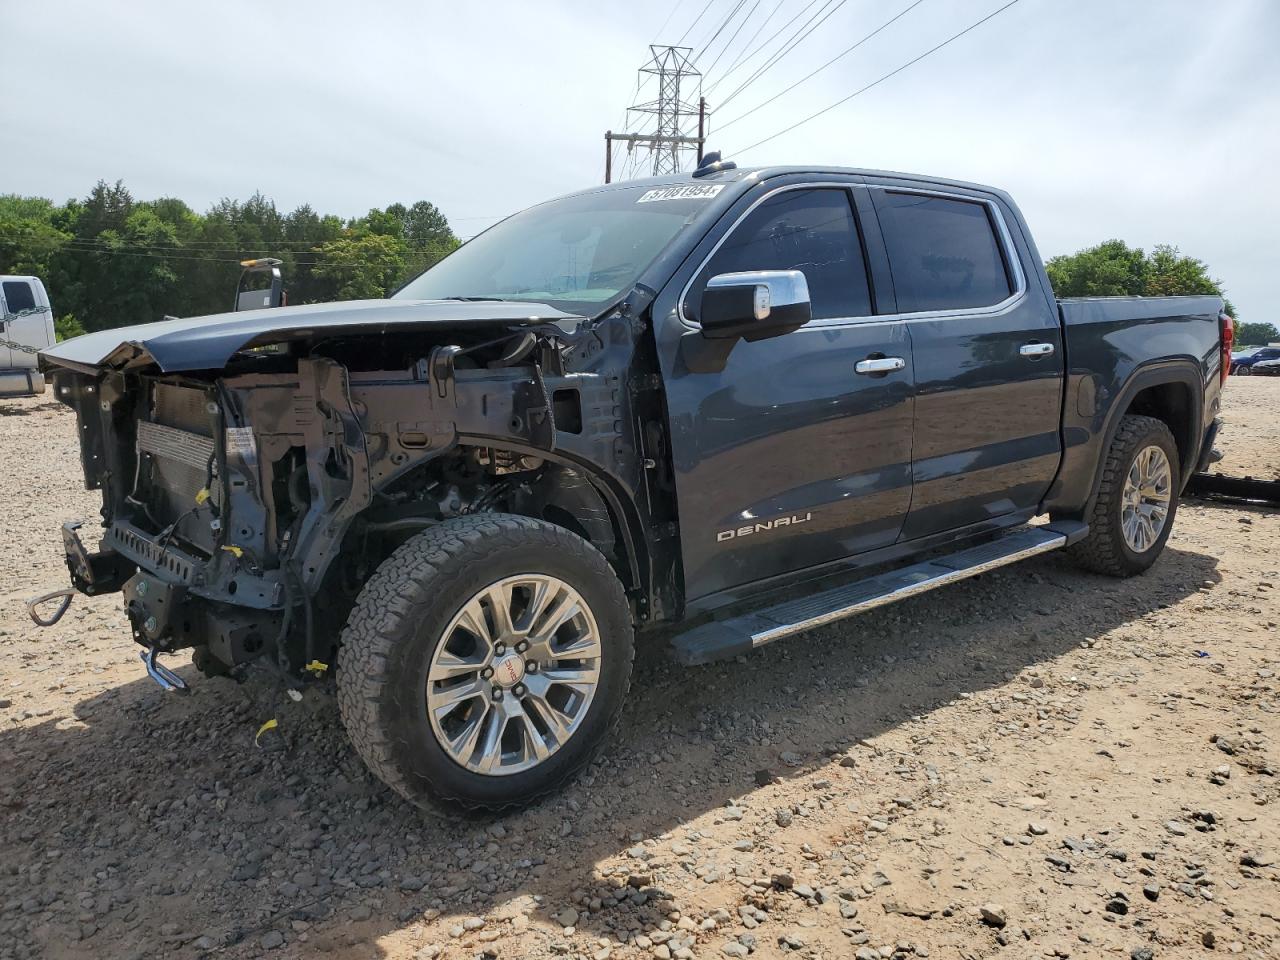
(692,191)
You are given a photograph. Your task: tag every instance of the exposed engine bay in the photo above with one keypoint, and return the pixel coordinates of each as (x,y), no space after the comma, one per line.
(243,510)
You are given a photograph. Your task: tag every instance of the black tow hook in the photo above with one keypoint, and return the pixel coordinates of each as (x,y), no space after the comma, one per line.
(66,593)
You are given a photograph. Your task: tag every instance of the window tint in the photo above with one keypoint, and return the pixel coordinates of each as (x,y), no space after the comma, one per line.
(18,295)
(808,230)
(943,253)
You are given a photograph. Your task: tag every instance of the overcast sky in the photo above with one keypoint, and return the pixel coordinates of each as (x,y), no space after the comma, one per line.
(1153,122)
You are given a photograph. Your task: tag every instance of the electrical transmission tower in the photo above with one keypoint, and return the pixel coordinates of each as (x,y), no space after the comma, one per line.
(674,134)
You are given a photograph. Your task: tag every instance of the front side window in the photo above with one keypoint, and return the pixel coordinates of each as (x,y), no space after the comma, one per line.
(18,295)
(944,253)
(812,231)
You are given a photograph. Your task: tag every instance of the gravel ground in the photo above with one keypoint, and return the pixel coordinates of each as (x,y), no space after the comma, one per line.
(1038,762)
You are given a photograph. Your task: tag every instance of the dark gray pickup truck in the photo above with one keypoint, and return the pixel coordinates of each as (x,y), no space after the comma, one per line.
(738,403)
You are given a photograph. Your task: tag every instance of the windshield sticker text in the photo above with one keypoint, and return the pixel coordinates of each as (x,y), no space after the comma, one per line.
(692,191)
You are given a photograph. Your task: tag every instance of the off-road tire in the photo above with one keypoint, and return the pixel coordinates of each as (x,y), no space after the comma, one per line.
(398,621)
(1104,550)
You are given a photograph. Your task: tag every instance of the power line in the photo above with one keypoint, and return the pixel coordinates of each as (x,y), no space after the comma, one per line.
(772,37)
(720,29)
(199,244)
(154,256)
(844,53)
(729,42)
(226,244)
(205,245)
(746,46)
(695,22)
(891,73)
(797,38)
(671,14)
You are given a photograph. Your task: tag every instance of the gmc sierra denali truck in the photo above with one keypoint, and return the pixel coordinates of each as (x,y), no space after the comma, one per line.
(738,403)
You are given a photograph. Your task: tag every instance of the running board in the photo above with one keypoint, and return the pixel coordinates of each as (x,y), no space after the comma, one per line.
(728,638)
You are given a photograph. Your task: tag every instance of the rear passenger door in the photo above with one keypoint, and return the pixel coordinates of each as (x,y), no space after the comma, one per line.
(988,359)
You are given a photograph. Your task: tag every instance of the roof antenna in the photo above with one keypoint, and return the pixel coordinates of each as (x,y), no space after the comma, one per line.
(711,163)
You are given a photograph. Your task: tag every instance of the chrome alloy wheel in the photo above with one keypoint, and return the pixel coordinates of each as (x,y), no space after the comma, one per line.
(1144,504)
(514,675)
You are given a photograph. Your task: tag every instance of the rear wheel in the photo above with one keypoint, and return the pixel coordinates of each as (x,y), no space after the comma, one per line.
(1137,500)
(485,661)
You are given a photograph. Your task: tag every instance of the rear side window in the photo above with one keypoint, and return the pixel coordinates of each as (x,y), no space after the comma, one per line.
(812,231)
(944,253)
(18,295)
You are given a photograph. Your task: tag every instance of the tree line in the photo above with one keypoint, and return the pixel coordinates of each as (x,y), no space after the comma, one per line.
(1114,269)
(110,260)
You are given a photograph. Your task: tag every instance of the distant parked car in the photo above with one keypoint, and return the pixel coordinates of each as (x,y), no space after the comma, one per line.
(1243,365)
(1266,368)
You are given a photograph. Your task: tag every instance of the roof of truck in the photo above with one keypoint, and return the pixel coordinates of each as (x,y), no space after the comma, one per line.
(741,174)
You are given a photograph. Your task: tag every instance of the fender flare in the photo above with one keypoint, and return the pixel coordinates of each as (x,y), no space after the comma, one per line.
(1154,373)
(616,498)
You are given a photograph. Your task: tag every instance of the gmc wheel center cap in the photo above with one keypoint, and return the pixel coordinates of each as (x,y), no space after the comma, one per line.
(508,670)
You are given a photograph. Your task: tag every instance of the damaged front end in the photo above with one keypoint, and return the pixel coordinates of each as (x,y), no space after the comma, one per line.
(243,509)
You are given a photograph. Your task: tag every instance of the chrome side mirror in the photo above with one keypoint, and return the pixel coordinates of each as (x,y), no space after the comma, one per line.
(754,305)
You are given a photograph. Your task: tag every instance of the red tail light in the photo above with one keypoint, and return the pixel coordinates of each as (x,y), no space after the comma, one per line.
(1228,339)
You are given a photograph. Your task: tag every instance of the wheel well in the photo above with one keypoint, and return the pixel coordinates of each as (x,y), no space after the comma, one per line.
(1171,403)
(470,478)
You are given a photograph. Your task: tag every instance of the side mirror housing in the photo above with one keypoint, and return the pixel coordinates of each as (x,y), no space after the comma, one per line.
(754,305)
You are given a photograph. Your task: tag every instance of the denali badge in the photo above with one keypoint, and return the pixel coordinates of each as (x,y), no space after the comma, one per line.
(747,531)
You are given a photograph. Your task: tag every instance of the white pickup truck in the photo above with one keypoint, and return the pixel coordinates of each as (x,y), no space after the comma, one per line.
(26,328)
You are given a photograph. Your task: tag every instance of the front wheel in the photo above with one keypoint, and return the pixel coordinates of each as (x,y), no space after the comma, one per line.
(485,661)
(1137,500)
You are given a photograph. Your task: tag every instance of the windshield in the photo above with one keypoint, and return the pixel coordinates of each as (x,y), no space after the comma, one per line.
(576,254)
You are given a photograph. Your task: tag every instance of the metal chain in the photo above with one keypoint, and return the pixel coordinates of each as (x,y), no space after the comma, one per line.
(13,344)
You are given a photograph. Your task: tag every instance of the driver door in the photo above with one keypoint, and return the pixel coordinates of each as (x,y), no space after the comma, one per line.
(24,322)
(789,457)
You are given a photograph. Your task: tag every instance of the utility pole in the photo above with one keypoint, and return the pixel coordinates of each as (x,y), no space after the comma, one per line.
(671,139)
(702,126)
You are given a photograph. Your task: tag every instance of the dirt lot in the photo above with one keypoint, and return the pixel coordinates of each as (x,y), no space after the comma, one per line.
(1038,762)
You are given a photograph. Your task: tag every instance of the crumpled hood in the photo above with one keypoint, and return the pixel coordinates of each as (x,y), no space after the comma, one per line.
(207,343)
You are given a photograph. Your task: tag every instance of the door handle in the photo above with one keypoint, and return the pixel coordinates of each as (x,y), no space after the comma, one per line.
(879,365)
(1034,350)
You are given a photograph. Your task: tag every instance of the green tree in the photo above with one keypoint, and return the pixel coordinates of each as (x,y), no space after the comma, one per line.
(66,327)
(1256,334)
(425,225)
(1111,269)
(28,237)
(109,259)
(1114,269)
(361,268)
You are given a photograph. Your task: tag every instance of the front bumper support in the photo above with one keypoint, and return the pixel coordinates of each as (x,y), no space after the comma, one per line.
(93,573)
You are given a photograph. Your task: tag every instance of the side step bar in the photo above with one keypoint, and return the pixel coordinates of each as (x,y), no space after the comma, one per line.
(728,638)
